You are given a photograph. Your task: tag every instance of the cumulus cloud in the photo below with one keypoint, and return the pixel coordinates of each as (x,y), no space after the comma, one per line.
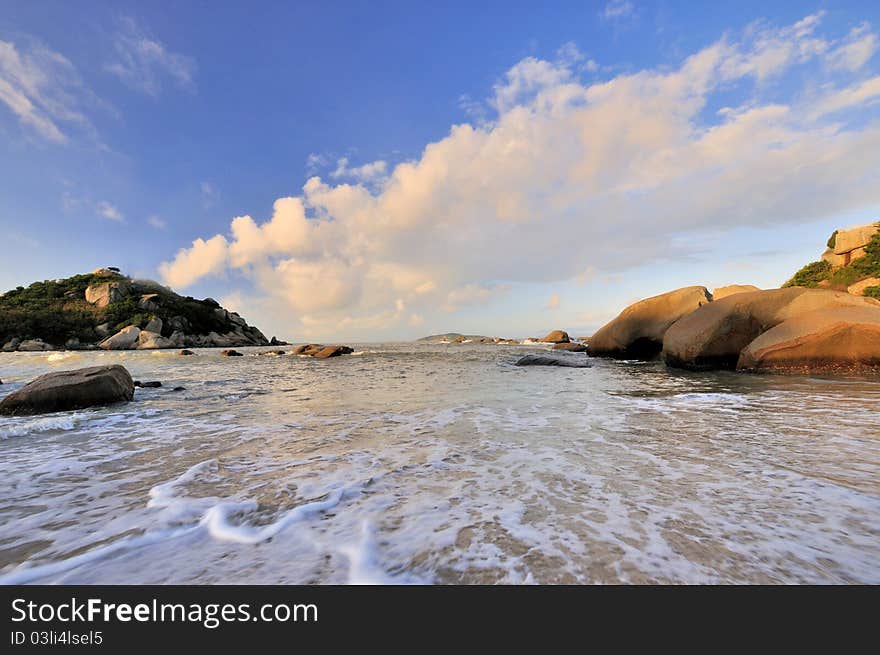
(143,63)
(571,180)
(42,89)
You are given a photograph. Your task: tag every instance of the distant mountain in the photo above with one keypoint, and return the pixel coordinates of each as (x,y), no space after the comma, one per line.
(106,309)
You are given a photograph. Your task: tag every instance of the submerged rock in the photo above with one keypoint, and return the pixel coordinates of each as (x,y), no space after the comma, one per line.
(66,390)
(155,384)
(544,360)
(185,353)
(230,353)
(333,351)
(637,333)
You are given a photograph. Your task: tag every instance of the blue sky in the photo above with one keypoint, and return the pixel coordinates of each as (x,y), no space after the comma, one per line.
(505,168)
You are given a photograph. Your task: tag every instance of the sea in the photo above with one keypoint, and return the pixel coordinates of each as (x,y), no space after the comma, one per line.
(426,463)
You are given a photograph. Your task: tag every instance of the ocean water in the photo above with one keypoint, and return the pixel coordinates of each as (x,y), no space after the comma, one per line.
(432,463)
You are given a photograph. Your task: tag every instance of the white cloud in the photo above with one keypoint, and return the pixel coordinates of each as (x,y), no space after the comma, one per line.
(157,222)
(369,172)
(143,62)
(107,210)
(570,181)
(42,89)
(618,9)
(855,51)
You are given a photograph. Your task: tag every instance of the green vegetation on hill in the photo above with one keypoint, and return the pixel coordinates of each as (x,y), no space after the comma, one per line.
(56,311)
(810,275)
(859,269)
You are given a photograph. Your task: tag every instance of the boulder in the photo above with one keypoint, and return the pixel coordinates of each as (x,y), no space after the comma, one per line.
(571,347)
(149,302)
(11,345)
(154,325)
(179,324)
(637,333)
(723,292)
(185,353)
(557,336)
(836,261)
(858,289)
(230,353)
(34,345)
(126,339)
(307,349)
(103,330)
(66,390)
(148,340)
(333,351)
(544,360)
(843,340)
(106,293)
(714,335)
(153,384)
(854,238)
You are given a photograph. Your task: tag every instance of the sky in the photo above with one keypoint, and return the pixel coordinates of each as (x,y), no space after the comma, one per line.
(371,171)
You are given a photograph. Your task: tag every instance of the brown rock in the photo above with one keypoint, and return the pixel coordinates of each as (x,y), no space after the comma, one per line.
(637,333)
(723,292)
(186,352)
(307,349)
(333,351)
(557,336)
(571,347)
(66,390)
(845,339)
(715,334)
(230,353)
(858,289)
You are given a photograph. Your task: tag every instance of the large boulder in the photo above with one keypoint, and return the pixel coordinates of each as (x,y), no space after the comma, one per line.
(66,390)
(557,336)
(107,293)
(852,240)
(125,339)
(843,340)
(714,335)
(148,340)
(333,351)
(729,290)
(545,360)
(34,345)
(149,302)
(858,289)
(307,349)
(637,333)
(154,325)
(11,345)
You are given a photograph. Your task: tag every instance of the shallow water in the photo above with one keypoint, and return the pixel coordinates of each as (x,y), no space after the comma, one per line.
(431,463)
